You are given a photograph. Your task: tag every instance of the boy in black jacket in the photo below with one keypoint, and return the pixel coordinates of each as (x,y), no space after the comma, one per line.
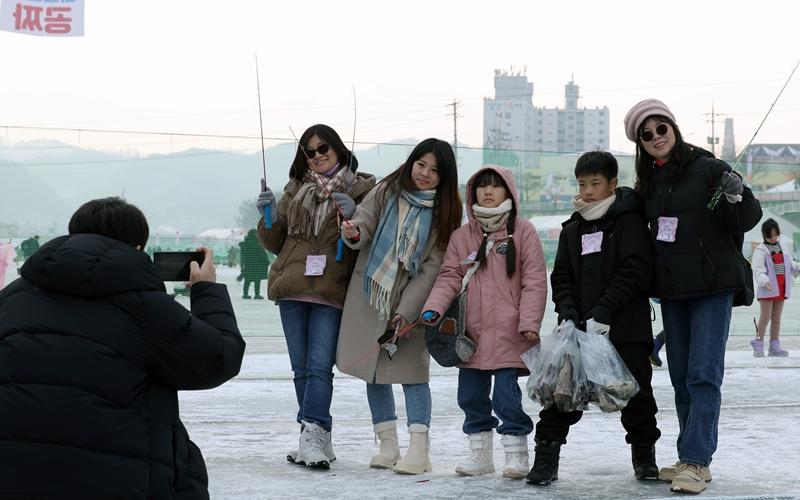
(600,279)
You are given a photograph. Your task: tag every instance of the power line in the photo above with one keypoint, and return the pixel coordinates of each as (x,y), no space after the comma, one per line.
(280,139)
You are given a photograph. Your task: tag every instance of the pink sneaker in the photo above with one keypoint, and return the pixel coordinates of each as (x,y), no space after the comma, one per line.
(775,349)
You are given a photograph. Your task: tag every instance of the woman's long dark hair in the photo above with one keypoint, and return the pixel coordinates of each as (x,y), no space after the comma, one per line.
(447,209)
(486,178)
(679,157)
(327,135)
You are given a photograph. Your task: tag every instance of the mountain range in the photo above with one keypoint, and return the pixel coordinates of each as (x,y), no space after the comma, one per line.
(43,182)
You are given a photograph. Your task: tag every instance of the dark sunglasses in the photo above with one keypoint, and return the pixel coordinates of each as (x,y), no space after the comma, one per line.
(321,149)
(648,135)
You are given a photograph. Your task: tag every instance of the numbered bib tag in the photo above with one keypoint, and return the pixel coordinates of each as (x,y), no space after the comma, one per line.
(591,243)
(667,227)
(315,265)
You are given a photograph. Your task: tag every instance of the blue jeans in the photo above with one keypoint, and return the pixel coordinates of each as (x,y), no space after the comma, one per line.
(696,332)
(418,403)
(311,332)
(473,398)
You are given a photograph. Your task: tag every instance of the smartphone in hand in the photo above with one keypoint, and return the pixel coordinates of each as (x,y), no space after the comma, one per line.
(174,266)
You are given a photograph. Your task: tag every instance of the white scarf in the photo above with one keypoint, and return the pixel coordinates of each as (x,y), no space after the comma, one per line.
(595,209)
(492,219)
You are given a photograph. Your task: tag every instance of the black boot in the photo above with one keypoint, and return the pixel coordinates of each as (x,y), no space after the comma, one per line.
(545,463)
(643,457)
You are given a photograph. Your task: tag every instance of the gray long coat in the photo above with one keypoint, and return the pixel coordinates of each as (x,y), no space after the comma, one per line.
(361,328)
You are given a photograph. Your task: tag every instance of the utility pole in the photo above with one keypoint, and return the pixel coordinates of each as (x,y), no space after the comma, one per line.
(713,140)
(455,114)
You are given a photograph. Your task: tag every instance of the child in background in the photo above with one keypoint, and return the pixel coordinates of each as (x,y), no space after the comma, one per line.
(772,264)
(658,343)
(505,303)
(600,279)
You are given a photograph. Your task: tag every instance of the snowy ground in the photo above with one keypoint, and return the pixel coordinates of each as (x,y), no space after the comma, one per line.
(245,428)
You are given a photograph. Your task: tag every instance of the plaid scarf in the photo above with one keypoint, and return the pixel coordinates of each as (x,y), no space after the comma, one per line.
(401,237)
(311,203)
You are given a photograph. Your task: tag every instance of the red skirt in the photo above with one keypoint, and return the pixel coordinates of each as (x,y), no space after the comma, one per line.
(781,289)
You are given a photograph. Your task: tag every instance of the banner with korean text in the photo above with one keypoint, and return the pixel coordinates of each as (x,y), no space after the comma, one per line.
(42,17)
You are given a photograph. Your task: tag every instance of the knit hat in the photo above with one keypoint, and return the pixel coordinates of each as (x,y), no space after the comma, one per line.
(641,112)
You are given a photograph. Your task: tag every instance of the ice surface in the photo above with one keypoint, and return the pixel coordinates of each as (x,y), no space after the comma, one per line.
(245,428)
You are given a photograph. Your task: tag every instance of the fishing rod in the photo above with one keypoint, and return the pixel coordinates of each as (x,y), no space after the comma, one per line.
(267,207)
(355,117)
(321,182)
(718,193)
(340,243)
(399,332)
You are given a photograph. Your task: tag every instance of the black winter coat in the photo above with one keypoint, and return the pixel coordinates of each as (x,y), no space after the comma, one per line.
(611,285)
(92,354)
(705,257)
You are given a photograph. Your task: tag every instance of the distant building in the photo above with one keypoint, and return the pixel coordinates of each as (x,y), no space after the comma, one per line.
(729,142)
(768,165)
(511,122)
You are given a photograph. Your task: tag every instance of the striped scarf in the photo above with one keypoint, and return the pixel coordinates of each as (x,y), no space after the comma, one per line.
(311,203)
(401,237)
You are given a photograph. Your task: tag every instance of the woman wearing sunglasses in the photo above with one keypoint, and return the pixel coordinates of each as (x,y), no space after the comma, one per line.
(698,271)
(402,230)
(306,279)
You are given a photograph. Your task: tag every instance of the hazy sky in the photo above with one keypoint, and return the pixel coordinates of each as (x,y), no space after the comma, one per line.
(182,66)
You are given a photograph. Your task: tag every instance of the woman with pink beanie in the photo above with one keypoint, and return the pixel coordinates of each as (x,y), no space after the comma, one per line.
(698,273)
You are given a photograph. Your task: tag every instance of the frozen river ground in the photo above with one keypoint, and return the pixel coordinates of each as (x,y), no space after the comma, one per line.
(245,428)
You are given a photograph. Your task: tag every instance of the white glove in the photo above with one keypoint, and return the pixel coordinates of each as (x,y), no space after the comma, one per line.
(593,326)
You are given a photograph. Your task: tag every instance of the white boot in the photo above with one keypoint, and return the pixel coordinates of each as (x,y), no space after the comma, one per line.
(314,442)
(389,452)
(480,461)
(516,448)
(417,459)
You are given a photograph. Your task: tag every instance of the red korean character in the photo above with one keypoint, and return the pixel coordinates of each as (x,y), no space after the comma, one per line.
(56,21)
(30,21)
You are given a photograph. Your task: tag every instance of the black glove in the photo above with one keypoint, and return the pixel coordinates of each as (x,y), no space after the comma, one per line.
(346,203)
(732,186)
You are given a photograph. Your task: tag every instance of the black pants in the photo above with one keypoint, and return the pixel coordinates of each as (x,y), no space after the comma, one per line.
(638,417)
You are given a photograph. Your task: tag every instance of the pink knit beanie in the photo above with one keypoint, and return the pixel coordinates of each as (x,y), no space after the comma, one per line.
(641,112)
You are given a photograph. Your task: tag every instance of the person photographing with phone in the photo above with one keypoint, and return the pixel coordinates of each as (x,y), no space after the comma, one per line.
(93,353)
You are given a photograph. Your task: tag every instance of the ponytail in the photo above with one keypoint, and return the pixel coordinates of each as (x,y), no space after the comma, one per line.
(482,251)
(511,250)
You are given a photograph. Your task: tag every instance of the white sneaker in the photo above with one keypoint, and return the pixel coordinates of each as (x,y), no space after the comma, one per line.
(314,442)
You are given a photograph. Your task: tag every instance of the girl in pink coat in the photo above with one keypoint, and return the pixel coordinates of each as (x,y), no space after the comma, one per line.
(505,305)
